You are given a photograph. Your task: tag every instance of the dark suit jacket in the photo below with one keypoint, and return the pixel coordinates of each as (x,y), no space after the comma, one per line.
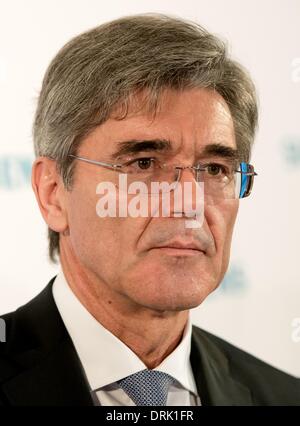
(39,365)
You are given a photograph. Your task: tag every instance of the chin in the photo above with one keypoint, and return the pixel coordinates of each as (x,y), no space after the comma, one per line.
(167,295)
(170,284)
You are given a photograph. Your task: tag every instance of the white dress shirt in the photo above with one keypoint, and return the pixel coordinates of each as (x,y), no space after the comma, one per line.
(106,359)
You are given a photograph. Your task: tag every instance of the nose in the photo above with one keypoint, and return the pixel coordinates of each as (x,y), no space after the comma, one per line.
(188,173)
(191,192)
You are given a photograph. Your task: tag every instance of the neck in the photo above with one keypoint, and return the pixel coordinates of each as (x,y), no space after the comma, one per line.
(151,335)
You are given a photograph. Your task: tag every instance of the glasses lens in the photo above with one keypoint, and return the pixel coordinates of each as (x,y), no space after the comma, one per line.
(216,186)
(158,181)
(245,181)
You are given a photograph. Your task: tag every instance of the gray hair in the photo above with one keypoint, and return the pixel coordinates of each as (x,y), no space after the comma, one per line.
(100,70)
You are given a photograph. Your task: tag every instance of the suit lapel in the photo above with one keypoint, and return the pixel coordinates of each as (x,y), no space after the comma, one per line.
(56,381)
(215,383)
(48,369)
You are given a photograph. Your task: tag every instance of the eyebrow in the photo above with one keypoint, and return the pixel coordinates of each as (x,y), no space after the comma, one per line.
(134,146)
(220,150)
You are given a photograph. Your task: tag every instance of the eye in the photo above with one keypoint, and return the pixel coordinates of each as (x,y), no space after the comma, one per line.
(145,163)
(214,169)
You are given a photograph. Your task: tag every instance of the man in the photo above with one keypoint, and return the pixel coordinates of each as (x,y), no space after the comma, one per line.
(153,100)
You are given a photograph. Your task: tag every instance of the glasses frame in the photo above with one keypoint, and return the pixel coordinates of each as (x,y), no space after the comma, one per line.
(246,170)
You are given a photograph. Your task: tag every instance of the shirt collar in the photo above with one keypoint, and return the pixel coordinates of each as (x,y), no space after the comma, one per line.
(104,357)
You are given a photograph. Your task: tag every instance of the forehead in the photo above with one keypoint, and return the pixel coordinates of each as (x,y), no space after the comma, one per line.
(189,119)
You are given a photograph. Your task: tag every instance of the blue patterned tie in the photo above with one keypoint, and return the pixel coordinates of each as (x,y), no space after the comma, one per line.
(147,387)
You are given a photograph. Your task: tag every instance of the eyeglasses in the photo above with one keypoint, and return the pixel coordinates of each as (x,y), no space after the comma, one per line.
(221,180)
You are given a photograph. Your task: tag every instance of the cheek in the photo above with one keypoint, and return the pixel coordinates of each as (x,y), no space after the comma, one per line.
(221,219)
(106,245)
(86,229)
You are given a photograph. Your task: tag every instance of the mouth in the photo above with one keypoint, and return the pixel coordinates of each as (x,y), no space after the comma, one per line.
(181,248)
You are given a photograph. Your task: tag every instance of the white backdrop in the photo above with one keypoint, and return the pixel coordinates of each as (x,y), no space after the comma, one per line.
(258,304)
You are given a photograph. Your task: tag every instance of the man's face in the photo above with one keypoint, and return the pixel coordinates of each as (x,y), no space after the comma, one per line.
(130,256)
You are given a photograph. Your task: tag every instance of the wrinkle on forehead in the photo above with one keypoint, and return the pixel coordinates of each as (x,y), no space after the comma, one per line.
(142,102)
(190,119)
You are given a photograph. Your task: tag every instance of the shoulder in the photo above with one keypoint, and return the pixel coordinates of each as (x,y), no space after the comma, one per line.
(30,330)
(266,382)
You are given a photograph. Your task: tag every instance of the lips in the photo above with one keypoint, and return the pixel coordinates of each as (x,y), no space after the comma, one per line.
(183,245)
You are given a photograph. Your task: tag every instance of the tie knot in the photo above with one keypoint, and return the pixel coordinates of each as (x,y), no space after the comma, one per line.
(147,387)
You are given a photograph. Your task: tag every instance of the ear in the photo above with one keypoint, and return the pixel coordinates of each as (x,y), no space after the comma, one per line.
(50,193)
